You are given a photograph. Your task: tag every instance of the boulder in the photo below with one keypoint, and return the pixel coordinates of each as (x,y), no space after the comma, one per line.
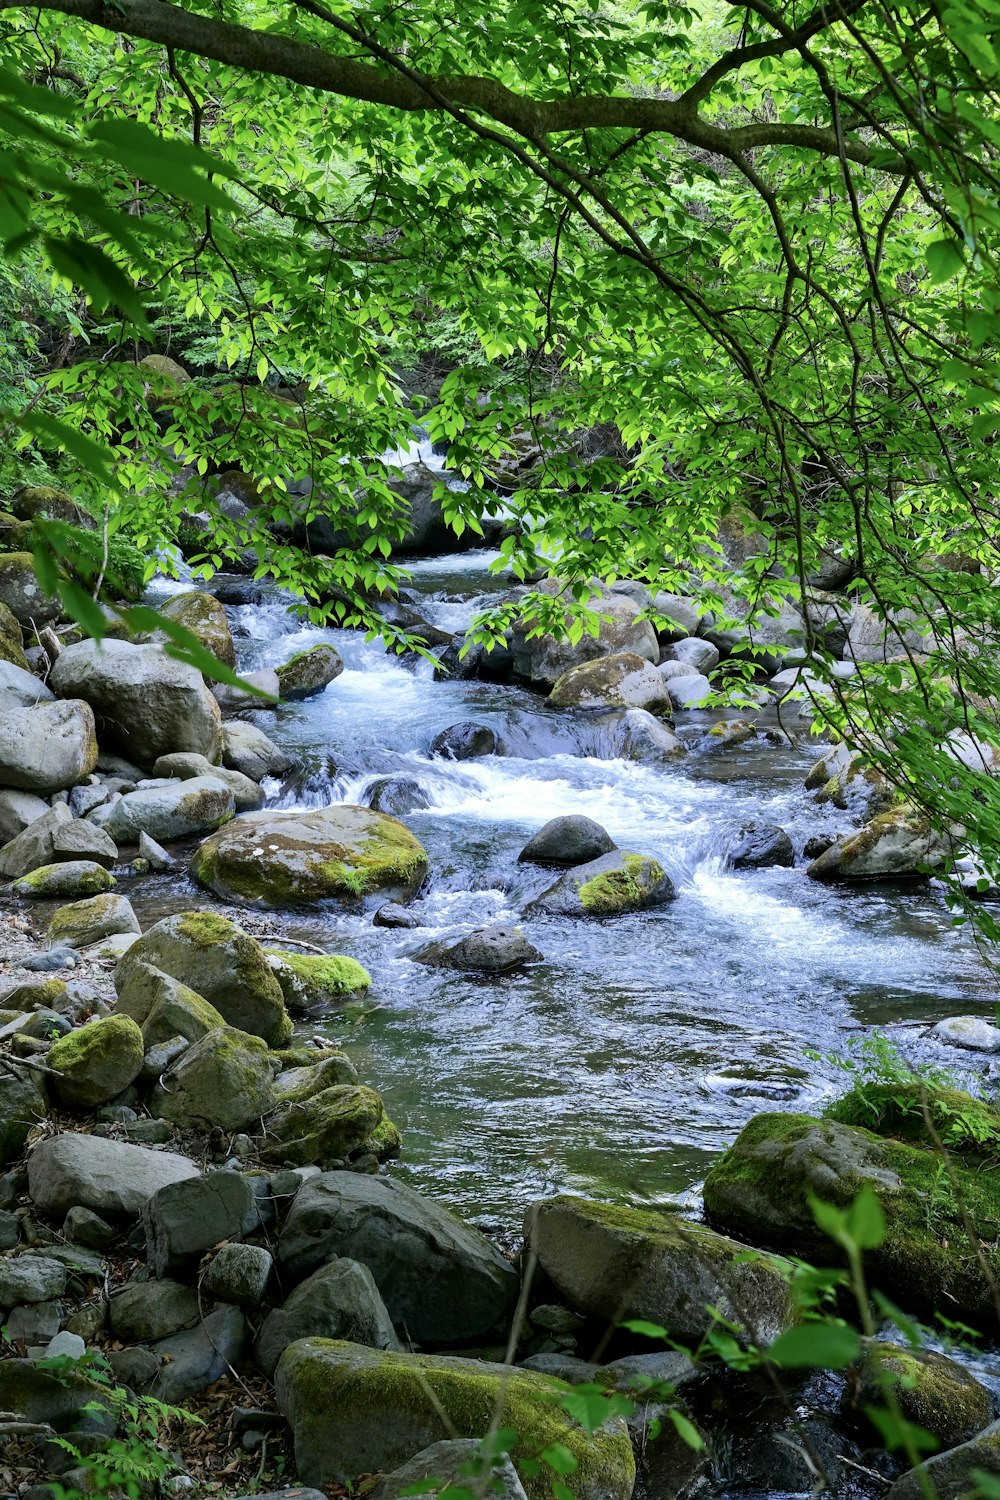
(768,638)
(931,1390)
(247,749)
(21,593)
(607,887)
(759,846)
(145,1310)
(853,784)
(637,735)
(488,950)
(454,1464)
(339,1301)
(260,690)
(897,845)
(112,1178)
(64,1401)
(683,617)
(96,1063)
(18,810)
(871,639)
(301,1080)
(174,811)
(224,1080)
(155,855)
(184,1219)
(326,1127)
(442,1282)
(218,961)
(567,841)
(354,1410)
(85,922)
(397,795)
(951,1475)
(77,877)
(30,1278)
(973,1032)
(464,741)
(701,656)
(22,1107)
(20,688)
(688,692)
(11,645)
(312,984)
(543,659)
(185,766)
(165,1008)
(194,1360)
(31,500)
(147,703)
(48,748)
(239,1273)
(617,1263)
(205,618)
(309,672)
(79,839)
(285,856)
(623,680)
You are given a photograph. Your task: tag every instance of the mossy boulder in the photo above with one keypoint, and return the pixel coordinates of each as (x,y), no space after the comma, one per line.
(312,984)
(330,1126)
(354,1410)
(22,1106)
(543,659)
(281,857)
(21,592)
(163,372)
(301,1082)
(97,1062)
(623,680)
(385,1141)
(930,1389)
(606,887)
(85,922)
(32,500)
(11,645)
(174,811)
(77,877)
(309,672)
(950,1475)
(205,617)
(224,1080)
(966,1125)
(896,845)
(760,1189)
(47,748)
(615,1262)
(165,1008)
(219,962)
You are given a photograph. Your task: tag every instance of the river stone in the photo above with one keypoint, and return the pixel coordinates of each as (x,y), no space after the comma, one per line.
(355,1410)
(760,846)
(871,639)
(22,1106)
(79,839)
(260,691)
(97,1062)
(397,795)
(22,594)
(897,845)
(33,1393)
(616,1263)
(218,961)
(308,673)
(442,1281)
(464,741)
(194,1360)
(624,680)
(11,645)
(155,855)
(684,617)
(949,1476)
(339,1301)
(240,1274)
(147,1310)
(638,735)
(21,689)
(760,1190)
(174,811)
(76,877)
(543,659)
(567,841)
(147,703)
(18,810)
(30,1278)
(312,984)
(165,1008)
(931,1390)
(47,748)
(247,795)
(286,856)
(701,656)
(488,950)
(84,922)
(224,1080)
(83,1227)
(768,638)
(974,1032)
(326,1127)
(184,1219)
(204,617)
(457,1464)
(247,749)
(606,887)
(110,1177)
(688,692)
(300,1082)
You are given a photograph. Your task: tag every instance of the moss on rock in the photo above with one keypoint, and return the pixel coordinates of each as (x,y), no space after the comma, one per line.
(309,672)
(224,1080)
(311,984)
(606,887)
(97,1062)
(84,922)
(904,1108)
(327,1126)
(930,1389)
(76,877)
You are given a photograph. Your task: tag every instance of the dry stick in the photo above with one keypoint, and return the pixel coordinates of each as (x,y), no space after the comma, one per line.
(279,937)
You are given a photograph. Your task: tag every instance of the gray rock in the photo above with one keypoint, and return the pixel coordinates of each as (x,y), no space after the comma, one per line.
(22,1106)
(111,1177)
(623,680)
(636,734)
(84,922)
(148,1310)
(34,1322)
(184,1219)
(239,1273)
(760,846)
(563,1366)
(700,656)
(309,672)
(83,840)
(55,958)
(33,846)
(18,810)
(458,1464)
(464,741)
(262,691)
(10,1230)
(159,860)
(175,810)
(30,1278)
(74,878)
(65,1345)
(391,914)
(224,1079)
(21,689)
(688,692)
(339,1301)
(165,1009)
(49,747)
(896,845)
(83,799)
(567,841)
(488,950)
(685,618)
(83,1227)
(632,1373)
(615,883)
(134,1367)
(974,1032)
(441,1281)
(544,658)
(194,1360)
(949,1476)
(247,749)
(41,1397)
(397,795)
(247,795)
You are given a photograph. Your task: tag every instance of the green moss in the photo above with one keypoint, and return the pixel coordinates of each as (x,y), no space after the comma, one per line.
(386,1140)
(50,880)
(932,1391)
(327,1126)
(902,1109)
(97,1061)
(308,980)
(204,928)
(609,893)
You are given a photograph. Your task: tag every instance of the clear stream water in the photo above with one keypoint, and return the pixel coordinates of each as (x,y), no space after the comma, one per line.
(636,1051)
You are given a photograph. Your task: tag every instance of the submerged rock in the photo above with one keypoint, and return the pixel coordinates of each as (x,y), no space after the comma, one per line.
(606,887)
(567,841)
(760,846)
(464,741)
(488,950)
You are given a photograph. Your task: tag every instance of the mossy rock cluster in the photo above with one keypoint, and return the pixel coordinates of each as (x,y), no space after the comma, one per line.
(922,1113)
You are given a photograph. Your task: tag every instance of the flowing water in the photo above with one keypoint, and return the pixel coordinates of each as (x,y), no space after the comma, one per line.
(635,1052)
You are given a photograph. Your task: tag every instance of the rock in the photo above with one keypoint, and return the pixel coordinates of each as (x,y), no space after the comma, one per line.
(190,1362)
(49,747)
(567,841)
(464,741)
(767,637)
(22,1106)
(205,618)
(617,1263)
(308,673)
(688,692)
(65,1345)
(312,984)
(544,658)
(637,735)
(950,1476)
(247,795)
(218,961)
(442,1282)
(55,958)
(397,795)
(30,1278)
(354,1410)
(870,639)
(147,704)
(110,1177)
(76,877)
(21,689)
(224,1080)
(326,1127)
(261,691)
(247,749)
(624,680)
(608,886)
(147,1310)
(165,1008)
(282,857)
(18,810)
(97,1062)
(339,1301)
(62,1401)
(974,1032)
(84,922)
(853,785)
(760,846)
(174,811)
(134,1367)
(897,845)
(31,500)
(488,950)
(184,1219)
(240,1274)
(457,1463)
(930,1390)
(301,1082)
(11,646)
(684,617)
(83,1227)
(701,656)
(88,795)
(166,372)
(21,593)
(391,914)
(33,1323)
(157,857)
(82,840)
(760,1189)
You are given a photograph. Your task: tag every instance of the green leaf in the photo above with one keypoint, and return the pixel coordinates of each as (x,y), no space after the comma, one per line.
(686,1430)
(648,1330)
(865,1220)
(820,1346)
(945,258)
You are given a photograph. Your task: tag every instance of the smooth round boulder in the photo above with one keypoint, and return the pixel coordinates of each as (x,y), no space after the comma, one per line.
(284,856)
(185,766)
(623,680)
(973,1032)
(20,688)
(174,811)
(205,618)
(48,748)
(567,841)
(488,950)
(309,672)
(699,656)
(96,1063)
(397,795)
(636,734)
(608,887)
(464,741)
(247,749)
(760,846)
(688,692)
(75,877)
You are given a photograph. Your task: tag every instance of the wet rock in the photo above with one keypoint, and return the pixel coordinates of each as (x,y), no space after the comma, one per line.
(618,1263)
(759,846)
(261,691)
(22,1106)
(175,810)
(183,1219)
(76,877)
(147,704)
(853,785)
(950,1476)
(488,950)
(688,692)
(312,984)
(897,845)
(339,1301)
(326,1127)
(457,1463)
(308,673)
(223,1080)
(155,855)
(818,844)
(110,1177)
(147,1310)
(30,1278)
(929,1389)
(624,680)
(85,922)
(96,1063)
(390,914)
(164,1008)
(247,795)
(567,841)
(46,748)
(282,857)
(442,1282)
(240,1274)
(192,1361)
(397,795)
(606,887)
(700,656)
(637,735)
(464,741)
(205,618)
(973,1032)
(18,810)
(247,749)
